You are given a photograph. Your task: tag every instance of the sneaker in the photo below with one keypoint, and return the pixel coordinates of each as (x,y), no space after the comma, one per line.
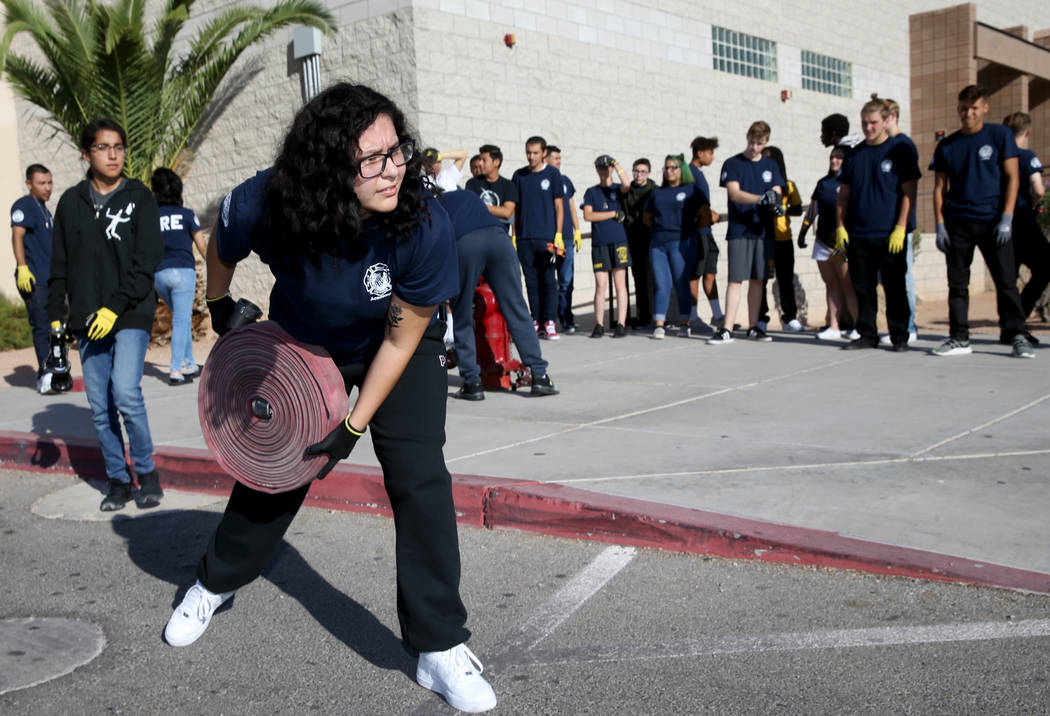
(901,347)
(543,385)
(569,328)
(1022,348)
(471,391)
(683,331)
(43,384)
(536,327)
(793,326)
(599,331)
(619,330)
(952,347)
(1032,340)
(885,340)
(758,333)
(455,674)
(851,336)
(721,337)
(829,334)
(118,496)
(150,493)
(549,331)
(913,336)
(192,372)
(191,617)
(658,333)
(178,379)
(861,343)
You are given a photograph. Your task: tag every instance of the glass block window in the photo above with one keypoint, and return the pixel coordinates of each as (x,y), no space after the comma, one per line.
(745,55)
(821,73)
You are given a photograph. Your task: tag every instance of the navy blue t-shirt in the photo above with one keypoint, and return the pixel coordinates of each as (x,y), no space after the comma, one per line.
(568,192)
(467,212)
(341,302)
(1028,164)
(826,196)
(495,193)
(605,198)
(875,175)
(536,194)
(745,220)
(674,212)
(177,226)
(33,216)
(973,163)
(906,141)
(704,190)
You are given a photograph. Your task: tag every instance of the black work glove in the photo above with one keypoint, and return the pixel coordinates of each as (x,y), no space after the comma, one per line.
(221,309)
(802,234)
(338,445)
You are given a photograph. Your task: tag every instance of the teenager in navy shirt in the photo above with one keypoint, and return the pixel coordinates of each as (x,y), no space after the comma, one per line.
(176,277)
(877,190)
(893,126)
(973,202)
(603,207)
(498,193)
(755,187)
(566,262)
(1030,244)
(538,230)
(31,226)
(361,259)
(823,207)
(707,265)
(671,214)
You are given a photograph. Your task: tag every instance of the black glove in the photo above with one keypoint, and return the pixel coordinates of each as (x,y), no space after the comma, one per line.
(802,234)
(221,309)
(338,444)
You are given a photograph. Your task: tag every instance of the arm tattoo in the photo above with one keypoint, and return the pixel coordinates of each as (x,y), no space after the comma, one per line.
(393,317)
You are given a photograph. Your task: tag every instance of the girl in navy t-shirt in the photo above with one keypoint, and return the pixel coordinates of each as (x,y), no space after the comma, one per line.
(670,212)
(176,277)
(361,259)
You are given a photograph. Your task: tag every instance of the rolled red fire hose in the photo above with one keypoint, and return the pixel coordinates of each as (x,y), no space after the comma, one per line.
(263,399)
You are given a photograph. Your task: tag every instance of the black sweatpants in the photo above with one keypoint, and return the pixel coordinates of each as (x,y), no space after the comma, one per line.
(642,272)
(965,237)
(541,280)
(408,433)
(1032,249)
(784,266)
(867,259)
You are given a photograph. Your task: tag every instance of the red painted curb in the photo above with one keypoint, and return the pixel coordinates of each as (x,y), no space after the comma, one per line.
(555,510)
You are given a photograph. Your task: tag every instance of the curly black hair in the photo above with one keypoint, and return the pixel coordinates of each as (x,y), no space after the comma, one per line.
(166,186)
(311,204)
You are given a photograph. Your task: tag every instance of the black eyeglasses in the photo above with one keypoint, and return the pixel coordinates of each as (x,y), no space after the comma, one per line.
(375,164)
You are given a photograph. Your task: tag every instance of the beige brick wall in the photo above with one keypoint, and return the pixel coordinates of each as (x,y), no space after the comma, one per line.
(629,78)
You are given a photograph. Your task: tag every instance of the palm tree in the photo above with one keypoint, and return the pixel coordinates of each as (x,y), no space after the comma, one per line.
(97,60)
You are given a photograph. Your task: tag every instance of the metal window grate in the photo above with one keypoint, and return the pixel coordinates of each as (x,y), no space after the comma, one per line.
(746,55)
(829,75)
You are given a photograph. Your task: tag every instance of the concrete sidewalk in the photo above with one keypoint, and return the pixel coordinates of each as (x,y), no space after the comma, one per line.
(793,451)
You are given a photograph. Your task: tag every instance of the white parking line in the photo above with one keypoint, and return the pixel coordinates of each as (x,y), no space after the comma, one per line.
(655,408)
(792,641)
(570,597)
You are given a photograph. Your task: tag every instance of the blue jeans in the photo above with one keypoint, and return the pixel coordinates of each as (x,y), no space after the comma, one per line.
(176,287)
(566,267)
(672,263)
(112,380)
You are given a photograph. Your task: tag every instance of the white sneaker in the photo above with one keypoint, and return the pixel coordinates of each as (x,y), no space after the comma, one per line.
(793,326)
(829,334)
(192,616)
(549,331)
(851,336)
(456,674)
(885,340)
(43,384)
(912,337)
(658,333)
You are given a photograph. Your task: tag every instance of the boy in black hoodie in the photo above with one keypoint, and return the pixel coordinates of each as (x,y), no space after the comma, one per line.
(106,246)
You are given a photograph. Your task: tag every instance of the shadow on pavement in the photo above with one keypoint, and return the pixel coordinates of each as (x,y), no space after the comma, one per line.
(168,548)
(23,376)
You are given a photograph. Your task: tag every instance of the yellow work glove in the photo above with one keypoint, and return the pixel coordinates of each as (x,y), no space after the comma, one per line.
(559,243)
(25,279)
(102,324)
(841,239)
(577,240)
(896,241)
(514,241)
(55,325)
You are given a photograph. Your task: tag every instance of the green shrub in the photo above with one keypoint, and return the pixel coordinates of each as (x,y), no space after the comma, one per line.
(14,326)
